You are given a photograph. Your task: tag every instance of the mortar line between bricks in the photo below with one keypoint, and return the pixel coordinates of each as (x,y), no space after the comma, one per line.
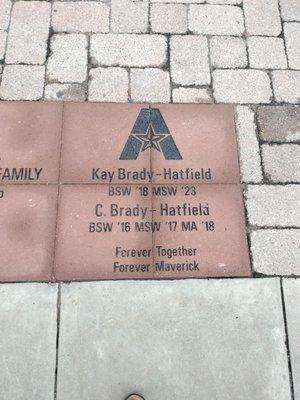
(86,83)
(254,109)
(129,97)
(278,143)
(149,27)
(248,230)
(245,37)
(269,73)
(256,275)
(58,313)
(109,18)
(275,227)
(6,44)
(267,183)
(287,344)
(48,49)
(282,34)
(58,193)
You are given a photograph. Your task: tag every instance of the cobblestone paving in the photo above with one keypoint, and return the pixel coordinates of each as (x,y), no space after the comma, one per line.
(186,51)
(151,50)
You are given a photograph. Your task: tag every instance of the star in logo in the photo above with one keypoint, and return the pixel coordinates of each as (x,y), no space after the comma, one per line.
(150,131)
(150,139)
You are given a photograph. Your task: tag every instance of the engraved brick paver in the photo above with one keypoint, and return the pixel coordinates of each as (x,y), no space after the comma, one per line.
(215,159)
(168,51)
(276,251)
(30,142)
(133,202)
(28,319)
(27,218)
(224,203)
(101,257)
(80,16)
(28,33)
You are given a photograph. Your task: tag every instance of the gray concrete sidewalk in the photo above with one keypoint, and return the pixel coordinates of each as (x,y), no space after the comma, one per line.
(190,339)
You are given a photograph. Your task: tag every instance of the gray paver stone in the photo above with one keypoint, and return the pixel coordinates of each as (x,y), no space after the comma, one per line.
(224,1)
(228,52)
(68,60)
(5,8)
(250,161)
(286,86)
(2,44)
(191,95)
(108,84)
(150,85)
(241,86)
(273,205)
(292,40)
(290,10)
(281,162)
(266,52)
(216,19)
(279,123)
(65,92)
(168,18)
(189,60)
(262,17)
(28,32)
(128,50)
(80,16)
(129,16)
(22,82)
(276,251)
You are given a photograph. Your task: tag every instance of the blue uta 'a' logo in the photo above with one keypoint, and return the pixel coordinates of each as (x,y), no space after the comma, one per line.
(150,131)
